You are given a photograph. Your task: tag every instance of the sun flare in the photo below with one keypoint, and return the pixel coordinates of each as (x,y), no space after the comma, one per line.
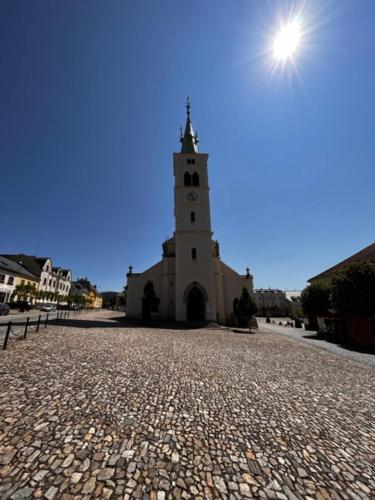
(287,41)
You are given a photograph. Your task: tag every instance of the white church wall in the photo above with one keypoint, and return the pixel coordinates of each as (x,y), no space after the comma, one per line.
(219,285)
(168,292)
(199,270)
(233,285)
(136,284)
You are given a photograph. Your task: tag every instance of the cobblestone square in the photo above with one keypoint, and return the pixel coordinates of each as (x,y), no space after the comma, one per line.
(99,410)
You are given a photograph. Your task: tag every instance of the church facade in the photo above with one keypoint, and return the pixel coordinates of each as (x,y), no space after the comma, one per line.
(191,282)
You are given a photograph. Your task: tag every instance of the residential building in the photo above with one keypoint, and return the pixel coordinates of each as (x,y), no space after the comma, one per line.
(271,302)
(83,286)
(294,303)
(11,275)
(50,279)
(191,281)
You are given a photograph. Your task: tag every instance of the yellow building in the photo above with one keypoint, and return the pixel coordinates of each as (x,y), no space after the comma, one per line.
(95,300)
(13,274)
(82,286)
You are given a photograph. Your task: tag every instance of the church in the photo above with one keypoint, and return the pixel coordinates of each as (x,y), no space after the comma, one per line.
(191,282)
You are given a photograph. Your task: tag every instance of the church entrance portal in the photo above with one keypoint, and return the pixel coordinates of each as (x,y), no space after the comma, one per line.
(196,310)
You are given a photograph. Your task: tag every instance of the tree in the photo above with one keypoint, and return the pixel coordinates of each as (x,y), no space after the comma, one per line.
(315,300)
(123,296)
(20,292)
(150,302)
(244,308)
(353,289)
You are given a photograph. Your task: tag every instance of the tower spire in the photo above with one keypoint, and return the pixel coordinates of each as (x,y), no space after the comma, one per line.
(189,141)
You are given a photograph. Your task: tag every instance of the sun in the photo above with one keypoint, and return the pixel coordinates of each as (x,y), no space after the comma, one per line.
(287,41)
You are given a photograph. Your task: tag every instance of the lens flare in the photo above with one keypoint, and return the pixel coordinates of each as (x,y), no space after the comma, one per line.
(287,41)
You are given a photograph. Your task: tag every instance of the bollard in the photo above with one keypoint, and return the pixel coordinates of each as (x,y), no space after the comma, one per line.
(46,322)
(26,327)
(38,324)
(7,335)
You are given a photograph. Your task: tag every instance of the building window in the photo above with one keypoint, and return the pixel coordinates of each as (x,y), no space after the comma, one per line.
(10,280)
(194,253)
(2,278)
(45,281)
(50,282)
(192,216)
(22,282)
(187,179)
(190,161)
(195,178)
(171,283)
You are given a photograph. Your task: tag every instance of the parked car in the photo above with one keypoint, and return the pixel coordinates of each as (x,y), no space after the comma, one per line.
(4,309)
(48,307)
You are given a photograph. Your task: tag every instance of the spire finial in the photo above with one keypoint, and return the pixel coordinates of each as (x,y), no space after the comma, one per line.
(188,106)
(189,140)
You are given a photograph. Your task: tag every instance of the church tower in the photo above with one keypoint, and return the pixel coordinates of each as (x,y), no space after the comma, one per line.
(194,284)
(191,281)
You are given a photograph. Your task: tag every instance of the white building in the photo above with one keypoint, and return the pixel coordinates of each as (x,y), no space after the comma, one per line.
(271,302)
(51,279)
(191,281)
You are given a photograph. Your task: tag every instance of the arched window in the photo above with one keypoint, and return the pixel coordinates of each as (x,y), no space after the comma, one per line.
(187,179)
(195,179)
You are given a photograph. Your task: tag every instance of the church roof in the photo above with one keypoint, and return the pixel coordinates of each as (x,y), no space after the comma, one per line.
(189,141)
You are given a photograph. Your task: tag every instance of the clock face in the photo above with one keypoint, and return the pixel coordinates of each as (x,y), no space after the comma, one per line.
(192,196)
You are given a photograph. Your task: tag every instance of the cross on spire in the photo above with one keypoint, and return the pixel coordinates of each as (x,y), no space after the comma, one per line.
(188,106)
(189,140)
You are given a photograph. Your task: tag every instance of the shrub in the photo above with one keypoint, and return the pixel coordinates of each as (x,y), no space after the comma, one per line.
(244,307)
(353,289)
(150,302)
(315,300)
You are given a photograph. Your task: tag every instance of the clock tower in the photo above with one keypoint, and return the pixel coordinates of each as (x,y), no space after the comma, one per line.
(191,281)
(195,298)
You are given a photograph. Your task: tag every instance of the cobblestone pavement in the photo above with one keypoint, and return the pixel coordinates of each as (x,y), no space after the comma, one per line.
(114,412)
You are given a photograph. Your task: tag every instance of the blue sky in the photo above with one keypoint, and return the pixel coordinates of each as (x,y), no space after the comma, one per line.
(91,99)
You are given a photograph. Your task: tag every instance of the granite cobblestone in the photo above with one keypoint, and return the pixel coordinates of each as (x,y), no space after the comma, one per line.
(101,410)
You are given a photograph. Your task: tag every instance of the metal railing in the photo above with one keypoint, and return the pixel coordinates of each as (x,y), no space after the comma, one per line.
(20,328)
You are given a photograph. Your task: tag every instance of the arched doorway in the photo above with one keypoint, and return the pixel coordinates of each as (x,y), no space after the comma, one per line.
(196,309)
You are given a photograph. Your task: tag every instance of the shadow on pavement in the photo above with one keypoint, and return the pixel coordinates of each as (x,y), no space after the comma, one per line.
(320,338)
(122,322)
